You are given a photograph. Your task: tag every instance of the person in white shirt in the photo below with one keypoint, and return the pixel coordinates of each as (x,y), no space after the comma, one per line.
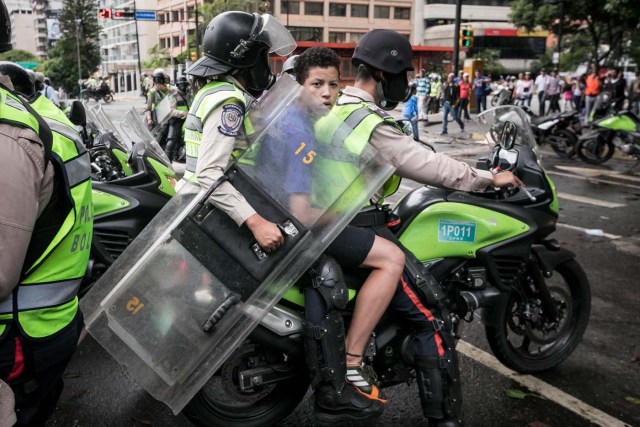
(540,87)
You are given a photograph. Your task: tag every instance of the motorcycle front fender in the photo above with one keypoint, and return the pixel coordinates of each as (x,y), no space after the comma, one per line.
(549,256)
(593,134)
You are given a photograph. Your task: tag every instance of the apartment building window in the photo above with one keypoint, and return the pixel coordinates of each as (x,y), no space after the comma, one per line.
(176,41)
(313,8)
(290,7)
(336,37)
(337,9)
(401,13)
(306,33)
(381,12)
(175,15)
(355,37)
(359,10)
(161,19)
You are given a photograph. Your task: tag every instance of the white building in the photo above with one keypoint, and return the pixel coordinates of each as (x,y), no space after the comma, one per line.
(22,25)
(119,45)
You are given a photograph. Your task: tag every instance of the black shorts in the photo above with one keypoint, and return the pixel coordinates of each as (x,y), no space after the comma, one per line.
(352,246)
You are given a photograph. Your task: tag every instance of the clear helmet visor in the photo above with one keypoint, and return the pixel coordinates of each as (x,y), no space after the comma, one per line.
(275,35)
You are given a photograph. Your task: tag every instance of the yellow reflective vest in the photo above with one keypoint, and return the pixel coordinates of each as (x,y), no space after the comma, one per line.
(45,301)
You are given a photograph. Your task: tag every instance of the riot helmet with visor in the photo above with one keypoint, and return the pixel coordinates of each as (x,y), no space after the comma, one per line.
(240,42)
(20,78)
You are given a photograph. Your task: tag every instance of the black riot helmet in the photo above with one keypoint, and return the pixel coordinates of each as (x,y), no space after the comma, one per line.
(238,43)
(20,78)
(5,28)
(159,76)
(389,52)
(182,83)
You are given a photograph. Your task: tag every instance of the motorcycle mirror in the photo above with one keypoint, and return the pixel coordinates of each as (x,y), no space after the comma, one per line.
(508,135)
(78,115)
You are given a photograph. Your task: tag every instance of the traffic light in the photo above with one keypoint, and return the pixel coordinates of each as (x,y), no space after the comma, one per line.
(123,14)
(105,13)
(466,37)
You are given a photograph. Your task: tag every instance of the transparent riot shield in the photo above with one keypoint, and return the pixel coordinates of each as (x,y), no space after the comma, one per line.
(193,285)
(135,131)
(163,113)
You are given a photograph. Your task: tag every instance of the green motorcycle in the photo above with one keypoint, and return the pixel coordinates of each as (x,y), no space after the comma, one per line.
(492,254)
(620,130)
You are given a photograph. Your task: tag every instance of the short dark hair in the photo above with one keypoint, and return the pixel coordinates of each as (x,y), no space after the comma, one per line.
(317,56)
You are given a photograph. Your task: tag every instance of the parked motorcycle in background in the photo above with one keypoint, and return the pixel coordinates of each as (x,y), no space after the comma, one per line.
(620,130)
(103,92)
(560,131)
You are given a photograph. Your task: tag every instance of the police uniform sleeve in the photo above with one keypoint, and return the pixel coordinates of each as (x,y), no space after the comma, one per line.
(420,164)
(25,191)
(218,142)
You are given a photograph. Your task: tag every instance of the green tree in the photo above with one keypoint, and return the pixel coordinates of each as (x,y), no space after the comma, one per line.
(79,23)
(607,24)
(215,7)
(158,58)
(491,58)
(18,55)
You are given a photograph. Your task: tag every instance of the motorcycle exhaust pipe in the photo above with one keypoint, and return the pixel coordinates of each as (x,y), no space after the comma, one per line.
(474,300)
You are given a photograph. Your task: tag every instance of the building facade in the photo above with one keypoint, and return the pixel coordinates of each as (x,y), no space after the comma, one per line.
(122,39)
(22,25)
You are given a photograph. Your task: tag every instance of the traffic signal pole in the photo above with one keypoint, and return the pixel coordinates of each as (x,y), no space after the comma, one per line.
(137,44)
(456,37)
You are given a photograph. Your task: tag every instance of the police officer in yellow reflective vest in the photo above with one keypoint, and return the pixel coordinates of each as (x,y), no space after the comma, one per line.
(181,95)
(45,236)
(235,67)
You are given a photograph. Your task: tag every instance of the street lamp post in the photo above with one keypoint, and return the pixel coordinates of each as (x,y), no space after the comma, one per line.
(78,21)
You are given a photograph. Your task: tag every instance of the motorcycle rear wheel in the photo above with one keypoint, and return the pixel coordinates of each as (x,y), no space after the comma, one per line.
(595,151)
(222,403)
(528,346)
(563,142)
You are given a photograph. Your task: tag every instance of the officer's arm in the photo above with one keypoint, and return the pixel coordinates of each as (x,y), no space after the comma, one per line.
(414,161)
(213,158)
(24,192)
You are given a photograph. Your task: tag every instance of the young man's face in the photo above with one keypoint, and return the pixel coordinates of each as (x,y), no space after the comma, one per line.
(324,84)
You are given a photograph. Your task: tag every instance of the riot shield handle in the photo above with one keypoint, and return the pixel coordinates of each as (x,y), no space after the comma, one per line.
(219,312)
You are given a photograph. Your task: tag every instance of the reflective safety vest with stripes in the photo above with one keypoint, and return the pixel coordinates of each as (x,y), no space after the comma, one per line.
(45,301)
(212,95)
(353,132)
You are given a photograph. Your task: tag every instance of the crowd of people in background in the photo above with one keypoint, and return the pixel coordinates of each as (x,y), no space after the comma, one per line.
(555,92)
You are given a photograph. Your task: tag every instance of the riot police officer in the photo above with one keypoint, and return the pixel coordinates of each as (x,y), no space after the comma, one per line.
(236,66)
(382,59)
(179,111)
(45,236)
(156,94)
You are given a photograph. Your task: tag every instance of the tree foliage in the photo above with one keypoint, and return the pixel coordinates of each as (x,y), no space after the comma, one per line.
(79,23)
(491,58)
(18,55)
(609,25)
(158,58)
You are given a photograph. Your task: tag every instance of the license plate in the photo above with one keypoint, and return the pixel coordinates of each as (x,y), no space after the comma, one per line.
(456,231)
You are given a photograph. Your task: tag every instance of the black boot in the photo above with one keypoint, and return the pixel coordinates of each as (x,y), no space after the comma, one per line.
(348,405)
(434,394)
(170,148)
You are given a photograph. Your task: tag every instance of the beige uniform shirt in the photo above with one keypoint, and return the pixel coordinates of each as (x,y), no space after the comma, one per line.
(416,162)
(218,142)
(24,193)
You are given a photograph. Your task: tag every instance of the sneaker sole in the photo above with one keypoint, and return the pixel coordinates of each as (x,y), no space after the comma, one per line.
(336,418)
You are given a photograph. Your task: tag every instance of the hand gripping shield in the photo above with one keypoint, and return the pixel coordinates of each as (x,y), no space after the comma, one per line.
(193,285)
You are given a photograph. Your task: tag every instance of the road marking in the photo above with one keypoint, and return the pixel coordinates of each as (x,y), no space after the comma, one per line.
(584,230)
(588,172)
(540,387)
(589,200)
(584,178)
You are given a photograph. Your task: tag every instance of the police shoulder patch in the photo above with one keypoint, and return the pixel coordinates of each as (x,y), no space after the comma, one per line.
(231,119)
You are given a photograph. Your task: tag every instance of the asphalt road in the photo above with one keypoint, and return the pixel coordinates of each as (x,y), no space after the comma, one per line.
(599,384)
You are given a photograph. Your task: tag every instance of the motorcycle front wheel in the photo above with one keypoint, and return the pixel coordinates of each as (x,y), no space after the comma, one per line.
(595,150)
(107,98)
(222,403)
(523,339)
